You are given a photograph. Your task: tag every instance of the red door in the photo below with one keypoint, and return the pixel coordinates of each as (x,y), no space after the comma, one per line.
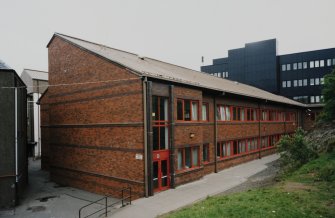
(161,176)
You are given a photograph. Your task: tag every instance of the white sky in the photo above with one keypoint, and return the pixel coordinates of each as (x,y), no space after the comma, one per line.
(176,31)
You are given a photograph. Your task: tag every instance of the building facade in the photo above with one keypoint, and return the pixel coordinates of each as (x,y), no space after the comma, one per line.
(37,83)
(298,76)
(112,119)
(13,114)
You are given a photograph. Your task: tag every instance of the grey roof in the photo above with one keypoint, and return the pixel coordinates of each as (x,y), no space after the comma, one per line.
(36,74)
(3,66)
(149,67)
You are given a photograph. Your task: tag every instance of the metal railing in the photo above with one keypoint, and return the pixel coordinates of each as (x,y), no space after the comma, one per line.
(125,200)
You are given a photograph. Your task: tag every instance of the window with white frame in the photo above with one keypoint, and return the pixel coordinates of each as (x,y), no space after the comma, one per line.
(295,66)
(227,74)
(295,83)
(312,99)
(322,81)
(311,82)
(311,64)
(283,67)
(304,65)
(317,99)
(288,66)
(284,84)
(316,64)
(288,83)
(329,62)
(317,81)
(299,65)
(305,82)
(300,82)
(322,63)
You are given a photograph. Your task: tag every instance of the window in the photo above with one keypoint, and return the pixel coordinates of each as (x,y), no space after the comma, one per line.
(251,114)
(304,65)
(333,61)
(288,84)
(238,113)
(265,142)
(305,82)
(288,66)
(160,123)
(223,149)
(227,75)
(311,82)
(295,66)
(300,82)
(187,110)
(311,64)
(205,153)
(322,63)
(284,84)
(205,112)
(265,115)
(312,99)
(239,147)
(317,99)
(272,115)
(223,113)
(295,83)
(316,64)
(322,81)
(329,62)
(188,157)
(317,81)
(299,65)
(283,67)
(252,144)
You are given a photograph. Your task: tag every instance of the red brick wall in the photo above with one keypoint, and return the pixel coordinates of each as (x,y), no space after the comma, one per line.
(204,133)
(94,130)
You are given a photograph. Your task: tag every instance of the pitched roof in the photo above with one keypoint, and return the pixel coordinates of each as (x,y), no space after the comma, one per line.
(36,74)
(149,67)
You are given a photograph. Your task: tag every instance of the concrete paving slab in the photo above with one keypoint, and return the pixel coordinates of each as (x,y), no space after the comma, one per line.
(210,185)
(46,199)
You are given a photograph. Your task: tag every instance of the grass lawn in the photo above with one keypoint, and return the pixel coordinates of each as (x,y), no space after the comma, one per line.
(308,192)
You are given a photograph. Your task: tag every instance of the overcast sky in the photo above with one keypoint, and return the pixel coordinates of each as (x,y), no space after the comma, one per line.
(176,31)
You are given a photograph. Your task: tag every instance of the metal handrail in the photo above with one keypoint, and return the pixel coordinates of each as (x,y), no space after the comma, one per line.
(123,204)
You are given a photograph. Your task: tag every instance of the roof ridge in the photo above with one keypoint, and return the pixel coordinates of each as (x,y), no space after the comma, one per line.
(42,71)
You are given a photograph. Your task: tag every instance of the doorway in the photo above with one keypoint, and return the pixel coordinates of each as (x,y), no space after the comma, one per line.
(161,175)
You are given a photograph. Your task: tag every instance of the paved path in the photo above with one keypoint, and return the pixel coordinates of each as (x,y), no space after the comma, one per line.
(210,185)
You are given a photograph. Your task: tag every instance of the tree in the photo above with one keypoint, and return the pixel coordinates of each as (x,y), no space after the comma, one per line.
(328,92)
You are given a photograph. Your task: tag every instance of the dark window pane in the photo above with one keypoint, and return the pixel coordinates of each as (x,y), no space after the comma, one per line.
(187,157)
(187,112)
(163,137)
(218,150)
(179,110)
(205,152)
(155,138)
(155,176)
(155,108)
(164,173)
(235,147)
(163,109)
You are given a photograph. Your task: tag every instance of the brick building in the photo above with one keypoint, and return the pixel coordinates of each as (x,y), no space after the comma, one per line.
(112,119)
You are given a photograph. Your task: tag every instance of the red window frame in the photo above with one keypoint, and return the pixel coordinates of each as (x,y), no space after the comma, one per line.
(205,147)
(183,110)
(220,148)
(161,123)
(218,111)
(207,111)
(183,168)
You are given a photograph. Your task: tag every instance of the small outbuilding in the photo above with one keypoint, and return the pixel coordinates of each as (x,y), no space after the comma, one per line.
(13,137)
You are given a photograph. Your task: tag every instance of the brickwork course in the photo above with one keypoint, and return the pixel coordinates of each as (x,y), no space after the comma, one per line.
(99,122)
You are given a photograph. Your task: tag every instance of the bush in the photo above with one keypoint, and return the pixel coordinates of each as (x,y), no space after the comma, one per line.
(328,91)
(294,150)
(327,173)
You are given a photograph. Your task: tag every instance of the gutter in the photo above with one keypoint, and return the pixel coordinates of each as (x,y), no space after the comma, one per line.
(146,189)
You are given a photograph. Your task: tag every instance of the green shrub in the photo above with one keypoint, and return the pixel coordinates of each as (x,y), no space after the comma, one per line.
(327,173)
(294,150)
